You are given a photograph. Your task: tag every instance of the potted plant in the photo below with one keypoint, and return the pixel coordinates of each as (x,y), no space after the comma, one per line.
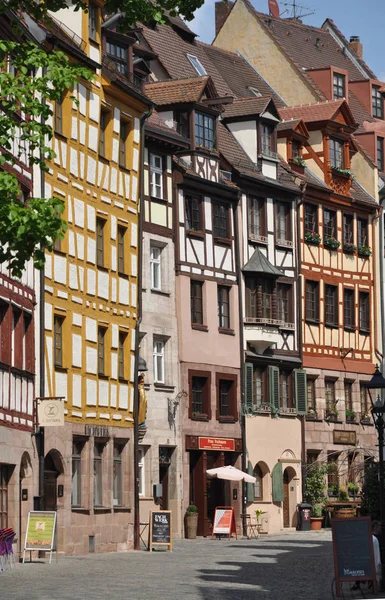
(343,494)
(341,171)
(315,487)
(331,243)
(364,250)
(316,518)
(311,413)
(349,248)
(312,237)
(333,490)
(365,418)
(331,413)
(353,489)
(298,161)
(191,522)
(350,415)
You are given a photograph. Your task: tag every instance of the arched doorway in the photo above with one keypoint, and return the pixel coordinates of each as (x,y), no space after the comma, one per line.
(53,468)
(289,497)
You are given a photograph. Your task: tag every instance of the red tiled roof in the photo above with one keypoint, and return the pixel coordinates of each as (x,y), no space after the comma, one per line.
(310,113)
(176,91)
(243,107)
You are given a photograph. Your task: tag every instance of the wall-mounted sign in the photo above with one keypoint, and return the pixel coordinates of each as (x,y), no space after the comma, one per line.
(214,443)
(97,431)
(50,412)
(344,437)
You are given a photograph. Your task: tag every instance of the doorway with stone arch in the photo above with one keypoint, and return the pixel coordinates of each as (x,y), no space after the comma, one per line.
(25,495)
(289,497)
(53,473)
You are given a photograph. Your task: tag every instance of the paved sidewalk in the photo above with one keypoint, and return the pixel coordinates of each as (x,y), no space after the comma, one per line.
(291,566)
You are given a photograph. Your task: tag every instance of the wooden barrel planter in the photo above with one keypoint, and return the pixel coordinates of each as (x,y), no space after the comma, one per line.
(344,513)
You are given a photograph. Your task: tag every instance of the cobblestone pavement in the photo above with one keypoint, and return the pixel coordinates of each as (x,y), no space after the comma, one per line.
(291,566)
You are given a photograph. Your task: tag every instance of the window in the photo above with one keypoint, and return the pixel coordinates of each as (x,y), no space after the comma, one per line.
(348,393)
(57,245)
(267,299)
(220,220)
(226,398)
(312,456)
(310,394)
(92,21)
(260,383)
(337,159)
(102,132)
(330,397)
(58,340)
(331,305)
(380,154)
(256,214)
(155,267)
(28,343)
(282,221)
(182,123)
(266,139)
(349,320)
(348,229)
(117,475)
(98,474)
(119,55)
(312,301)
(158,355)
(204,130)
(364,400)
(296,149)
(196,64)
(196,302)
(333,479)
(101,350)
(287,398)
(142,486)
(283,302)
(76,494)
(58,114)
(362,232)
(339,86)
(122,340)
(311,218)
(377,102)
(120,236)
(200,395)
(100,224)
(223,307)
(258,485)
(194,213)
(259,298)
(4,477)
(364,312)
(330,224)
(17,338)
(123,144)
(156,176)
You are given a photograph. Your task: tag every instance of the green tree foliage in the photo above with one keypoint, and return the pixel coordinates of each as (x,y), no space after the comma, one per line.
(315,487)
(36,76)
(371,491)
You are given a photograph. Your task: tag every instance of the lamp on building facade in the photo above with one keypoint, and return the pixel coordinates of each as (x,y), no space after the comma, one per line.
(375,387)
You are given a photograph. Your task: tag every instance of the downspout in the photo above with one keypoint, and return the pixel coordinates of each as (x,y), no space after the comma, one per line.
(143,119)
(241,354)
(299,203)
(381,255)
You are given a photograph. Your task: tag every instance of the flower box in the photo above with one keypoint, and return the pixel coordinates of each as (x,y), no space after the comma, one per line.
(312,237)
(349,248)
(364,251)
(331,243)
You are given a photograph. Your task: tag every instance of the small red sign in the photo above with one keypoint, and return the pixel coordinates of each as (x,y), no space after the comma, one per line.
(213,443)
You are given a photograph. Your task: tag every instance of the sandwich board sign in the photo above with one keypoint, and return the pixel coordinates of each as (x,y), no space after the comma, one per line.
(160,529)
(224,521)
(40,533)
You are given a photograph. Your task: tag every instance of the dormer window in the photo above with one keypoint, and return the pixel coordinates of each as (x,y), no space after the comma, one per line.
(204,130)
(197,64)
(337,159)
(296,149)
(339,86)
(182,123)
(256,92)
(267,132)
(377,102)
(119,56)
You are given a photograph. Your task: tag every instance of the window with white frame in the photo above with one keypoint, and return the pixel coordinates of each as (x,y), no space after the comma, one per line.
(155,267)
(142,482)
(156,176)
(158,354)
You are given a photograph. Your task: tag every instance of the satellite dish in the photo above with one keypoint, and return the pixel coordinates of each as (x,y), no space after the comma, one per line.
(274,8)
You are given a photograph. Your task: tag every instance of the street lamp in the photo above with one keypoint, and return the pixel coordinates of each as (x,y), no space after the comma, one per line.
(375,387)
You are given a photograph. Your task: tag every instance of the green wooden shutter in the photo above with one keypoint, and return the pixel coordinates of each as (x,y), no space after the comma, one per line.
(250,486)
(249,385)
(274,388)
(277,483)
(301,391)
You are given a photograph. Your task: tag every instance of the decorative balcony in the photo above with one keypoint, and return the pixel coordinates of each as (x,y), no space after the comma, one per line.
(340,181)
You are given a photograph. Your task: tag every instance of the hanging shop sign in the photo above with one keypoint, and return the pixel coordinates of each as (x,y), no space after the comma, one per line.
(40,533)
(224,521)
(50,412)
(214,443)
(160,529)
(344,437)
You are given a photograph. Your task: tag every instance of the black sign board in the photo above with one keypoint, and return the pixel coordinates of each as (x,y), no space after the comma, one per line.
(353,551)
(160,529)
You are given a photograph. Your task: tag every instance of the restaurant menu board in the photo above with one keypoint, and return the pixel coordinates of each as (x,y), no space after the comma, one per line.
(160,529)
(353,550)
(40,533)
(224,521)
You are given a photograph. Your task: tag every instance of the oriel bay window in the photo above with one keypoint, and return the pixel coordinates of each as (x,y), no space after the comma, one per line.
(221,225)
(259,299)
(312,301)
(226,397)
(200,397)
(282,222)
(256,217)
(331,305)
(194,220)
(204,131)
(337,159)
(223,307)
(364,306)
(349,320)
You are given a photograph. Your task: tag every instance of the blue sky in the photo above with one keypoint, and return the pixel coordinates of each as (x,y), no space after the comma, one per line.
(365,18)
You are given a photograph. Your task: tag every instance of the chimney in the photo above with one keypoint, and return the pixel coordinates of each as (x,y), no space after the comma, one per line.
(356,45)
(222,10)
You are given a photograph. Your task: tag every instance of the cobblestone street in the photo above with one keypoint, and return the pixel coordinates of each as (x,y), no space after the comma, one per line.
(292,566)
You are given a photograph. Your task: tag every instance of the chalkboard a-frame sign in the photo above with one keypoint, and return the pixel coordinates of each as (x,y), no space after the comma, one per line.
(353,551)
(160,529)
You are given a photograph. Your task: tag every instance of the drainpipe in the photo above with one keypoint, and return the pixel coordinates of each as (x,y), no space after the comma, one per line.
(143,119)
(299,203)
(382,275)
(241,353)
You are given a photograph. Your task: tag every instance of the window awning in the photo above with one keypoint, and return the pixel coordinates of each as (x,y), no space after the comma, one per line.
(258,263)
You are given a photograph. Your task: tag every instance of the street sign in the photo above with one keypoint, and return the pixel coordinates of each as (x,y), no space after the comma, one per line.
(160,533)
(40,533)
(224,521)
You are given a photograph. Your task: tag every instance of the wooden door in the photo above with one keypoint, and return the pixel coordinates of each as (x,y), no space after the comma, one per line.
(50,490)
(286,504)
(163,478)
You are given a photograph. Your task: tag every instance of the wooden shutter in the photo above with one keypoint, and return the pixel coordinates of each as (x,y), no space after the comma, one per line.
(250,486)
(277,483)
(301,391)
(249,385)
(274,387)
